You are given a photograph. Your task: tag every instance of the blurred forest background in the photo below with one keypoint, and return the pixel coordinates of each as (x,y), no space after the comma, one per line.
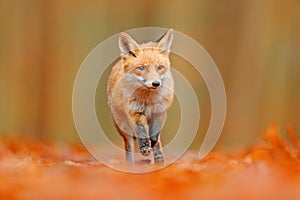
(255,44)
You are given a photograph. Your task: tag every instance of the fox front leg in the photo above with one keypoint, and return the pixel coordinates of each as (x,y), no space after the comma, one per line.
(129,147)
(140,124)
(157,121)
(128,143)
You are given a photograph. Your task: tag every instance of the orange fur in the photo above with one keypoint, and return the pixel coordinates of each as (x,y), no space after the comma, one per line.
(140,85)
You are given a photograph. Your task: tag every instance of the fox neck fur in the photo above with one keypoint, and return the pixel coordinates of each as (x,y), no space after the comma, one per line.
(128,93)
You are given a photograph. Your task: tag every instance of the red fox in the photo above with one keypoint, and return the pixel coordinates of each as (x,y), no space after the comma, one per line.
(140,90)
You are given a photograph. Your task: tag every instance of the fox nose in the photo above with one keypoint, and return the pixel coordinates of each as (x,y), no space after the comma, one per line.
(155,83)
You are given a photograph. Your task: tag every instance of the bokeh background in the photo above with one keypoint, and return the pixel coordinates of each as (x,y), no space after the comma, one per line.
(255,44)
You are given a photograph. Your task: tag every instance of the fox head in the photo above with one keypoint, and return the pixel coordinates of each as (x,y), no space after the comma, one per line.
(146,64)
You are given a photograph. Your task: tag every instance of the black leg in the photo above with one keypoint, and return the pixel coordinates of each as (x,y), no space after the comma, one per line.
(158,154)
(143,140)
(142,132)
(156,122)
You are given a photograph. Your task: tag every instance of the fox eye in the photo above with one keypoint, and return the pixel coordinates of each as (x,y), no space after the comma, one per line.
(142,68)
(160,67)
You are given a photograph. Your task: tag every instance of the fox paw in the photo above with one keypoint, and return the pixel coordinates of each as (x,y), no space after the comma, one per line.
(145,150)
(158,158)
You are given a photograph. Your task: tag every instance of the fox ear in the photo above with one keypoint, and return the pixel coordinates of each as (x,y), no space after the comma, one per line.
(164,43)
(127,44)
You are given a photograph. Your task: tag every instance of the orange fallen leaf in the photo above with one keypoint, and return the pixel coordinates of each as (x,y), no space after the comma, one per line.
(34,169)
